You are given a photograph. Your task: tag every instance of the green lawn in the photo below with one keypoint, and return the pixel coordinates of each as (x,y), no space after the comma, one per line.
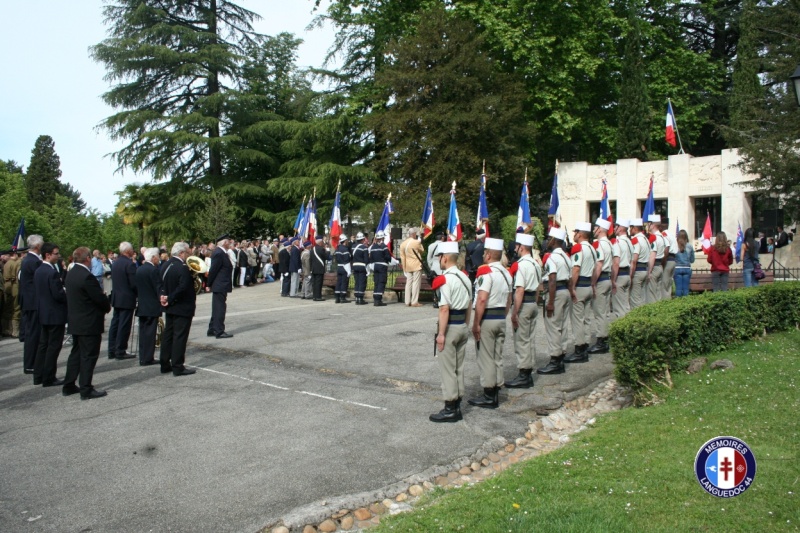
(633,471)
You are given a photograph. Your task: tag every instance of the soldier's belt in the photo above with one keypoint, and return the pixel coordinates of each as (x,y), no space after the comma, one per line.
(584,281)
(530,297)
(495,313)
(641,268)
(560,285)
(603,277)
(457,316)
(670,257)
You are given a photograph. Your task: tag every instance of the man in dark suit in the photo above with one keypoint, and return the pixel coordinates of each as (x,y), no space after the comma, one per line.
(219,279)
(178,299)
(474,256)
(52,308)
(284,257)
(148,288)
(123,300)
(87,306)
(319,256)
(31,328)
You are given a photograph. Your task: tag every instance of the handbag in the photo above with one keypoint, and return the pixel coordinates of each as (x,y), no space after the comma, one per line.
(758,272)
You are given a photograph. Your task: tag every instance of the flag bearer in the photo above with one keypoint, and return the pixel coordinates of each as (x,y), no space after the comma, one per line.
(342,270)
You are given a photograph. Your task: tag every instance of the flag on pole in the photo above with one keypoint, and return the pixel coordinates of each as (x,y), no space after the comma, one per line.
(650,204)
(309,225)
(524,210)
(453,223)
(553,217)
(739,241)
(605,212)
(427,214)
(335,222)
(298,222)
(707,233)
(482,221)
(671,126)
(19,239)
(677,228)
(384,222)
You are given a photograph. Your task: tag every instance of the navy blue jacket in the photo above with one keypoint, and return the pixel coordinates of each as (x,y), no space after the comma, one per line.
(27,292)
(50,296)
(148,287)
(219,275)
(123,279)
(87,304)
(178,286)
(294,259)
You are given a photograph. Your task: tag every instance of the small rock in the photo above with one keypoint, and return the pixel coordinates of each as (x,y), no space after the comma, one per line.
(377,508)
(281,529)
(721,363)
(485,461)
(493,457)
(521,442)
(375,520)
(501,453)
(362,514)
(475,466)
(309,529)
(452,475)
(513,459)
(328,526)
(442,481)
(347,522)
(510,448)
(387,503)
(528,435)
(591,421)
(497,467)
(340,514)
(563,439)
(415,490)
(696,365)
(401,497)
(427,485)
(465,471)
(400,509)
(364,524)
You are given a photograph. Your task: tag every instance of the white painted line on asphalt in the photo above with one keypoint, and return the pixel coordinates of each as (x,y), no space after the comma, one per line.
(286,389)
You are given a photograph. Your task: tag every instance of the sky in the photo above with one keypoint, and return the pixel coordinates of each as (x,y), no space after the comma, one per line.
(50,86)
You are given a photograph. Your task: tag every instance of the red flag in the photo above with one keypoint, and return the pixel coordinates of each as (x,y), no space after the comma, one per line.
(707,233)
(671,127)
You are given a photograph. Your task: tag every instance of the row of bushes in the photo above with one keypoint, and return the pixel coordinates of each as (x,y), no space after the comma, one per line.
(666,335)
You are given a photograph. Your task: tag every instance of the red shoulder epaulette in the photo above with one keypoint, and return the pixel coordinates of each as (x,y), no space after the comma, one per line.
(546,257)
(613,241)
(513,269)
(651,238)
(576,249)
(664,233)
(465,273)
(483,270)
(595,244)
(438,281)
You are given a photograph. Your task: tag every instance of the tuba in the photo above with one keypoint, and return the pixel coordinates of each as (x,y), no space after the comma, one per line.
(198,268)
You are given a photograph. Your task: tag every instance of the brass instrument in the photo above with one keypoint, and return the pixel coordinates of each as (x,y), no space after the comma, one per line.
(159,331)
(198,268)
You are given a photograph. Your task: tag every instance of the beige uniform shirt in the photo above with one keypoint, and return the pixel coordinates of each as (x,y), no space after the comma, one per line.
(584,256)
(623,248)
(557,262)
(605,253)
(456,291)
(529,274)
(498,284)
(642,246)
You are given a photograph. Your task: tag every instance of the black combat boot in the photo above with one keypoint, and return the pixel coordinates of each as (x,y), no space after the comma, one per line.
(360,300)
(581,355)
(601,346)
(450,413)
(489,400)
(522,381)
(338,299)
(343,299)
(378,301)
(555,366)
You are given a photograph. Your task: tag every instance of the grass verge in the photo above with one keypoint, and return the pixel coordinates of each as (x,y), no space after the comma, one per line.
(634,470)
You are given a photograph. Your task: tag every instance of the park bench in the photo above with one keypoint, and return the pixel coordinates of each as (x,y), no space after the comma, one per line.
(399,286)
(701,281)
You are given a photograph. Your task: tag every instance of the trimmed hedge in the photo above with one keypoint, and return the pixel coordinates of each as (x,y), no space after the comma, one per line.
(667,334)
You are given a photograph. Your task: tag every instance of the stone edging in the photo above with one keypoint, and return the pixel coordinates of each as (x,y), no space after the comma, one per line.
(542,436)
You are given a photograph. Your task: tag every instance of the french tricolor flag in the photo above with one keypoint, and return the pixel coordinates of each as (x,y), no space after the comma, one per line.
(726,468)
(336,220)
(427,214)
(453,223)
(671,127)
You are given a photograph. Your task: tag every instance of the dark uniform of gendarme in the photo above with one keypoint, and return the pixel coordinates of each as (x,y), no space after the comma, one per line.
(342,275)
(379,258)
(360,260)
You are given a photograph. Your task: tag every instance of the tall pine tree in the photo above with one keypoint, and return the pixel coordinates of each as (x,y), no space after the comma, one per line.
(42,180)
(635,118)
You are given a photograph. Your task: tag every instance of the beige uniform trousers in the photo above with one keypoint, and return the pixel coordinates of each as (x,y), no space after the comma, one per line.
(655,289)
(638,289)
(556,325)
(413,282)
(667,279)
(582,316)
(601,305)
(523,335)
(490,355)
(451,361)
(620,300)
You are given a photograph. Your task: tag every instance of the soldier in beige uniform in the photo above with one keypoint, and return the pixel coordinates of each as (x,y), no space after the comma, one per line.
(489,325)
(11,309)
(584,258)
(640,258)
(455,295)
(558,303)
(601,284)
(527,280)
(669,267)
(621,270)
(655,289)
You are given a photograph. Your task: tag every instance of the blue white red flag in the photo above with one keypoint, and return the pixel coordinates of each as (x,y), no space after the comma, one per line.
(605,211)
(739,241)
(482,221)
(453,223)
(298,222)
(671,126)
(427,215)
(650,204)
(19,239)
(309,225)
(553,217)
(384,221)
(524,210)
(335,223)
(726,467)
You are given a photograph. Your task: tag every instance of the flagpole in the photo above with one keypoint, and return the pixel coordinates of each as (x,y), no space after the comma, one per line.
(675,122)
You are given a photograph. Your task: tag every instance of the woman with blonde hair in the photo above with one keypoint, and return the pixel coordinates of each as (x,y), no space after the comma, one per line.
(721,258)
(683,264)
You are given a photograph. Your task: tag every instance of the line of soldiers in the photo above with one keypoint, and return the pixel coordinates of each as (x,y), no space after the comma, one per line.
(587,285)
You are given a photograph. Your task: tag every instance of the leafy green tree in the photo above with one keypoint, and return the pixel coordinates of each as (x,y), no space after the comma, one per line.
(74,196)
(42,179)
(218,216)
(635,116)
(139,206)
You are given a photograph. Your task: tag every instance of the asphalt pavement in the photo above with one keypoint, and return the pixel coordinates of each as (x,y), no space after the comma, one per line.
(310,405)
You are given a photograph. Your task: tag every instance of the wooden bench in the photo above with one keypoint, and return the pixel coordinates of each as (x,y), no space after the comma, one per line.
(701,281)
(399,286)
